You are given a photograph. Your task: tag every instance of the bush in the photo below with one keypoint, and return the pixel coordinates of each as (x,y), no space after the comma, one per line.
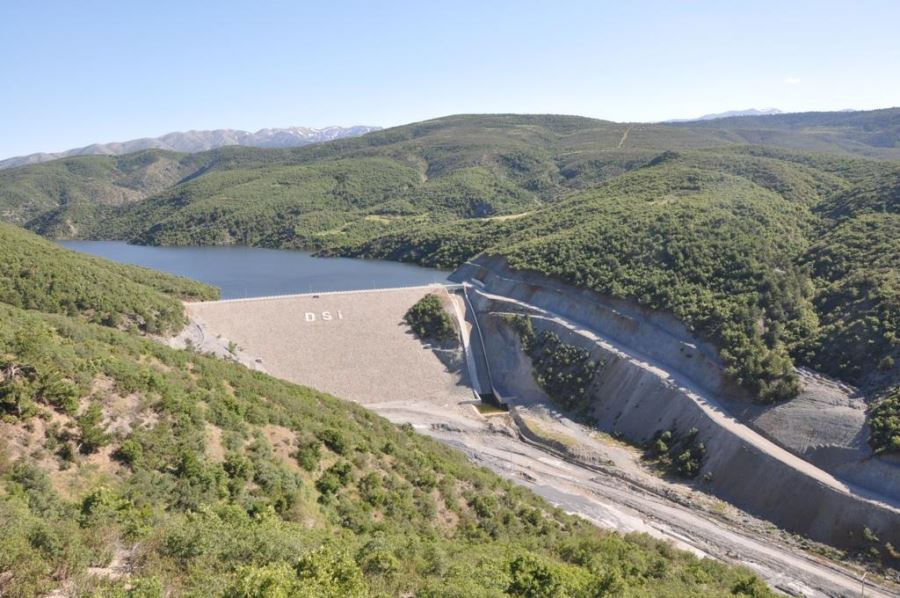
(563,371)
(884,424)
(329,573)
(335,441)
(308,455)
(92,434)
(429,320)
(677,454)
(130,452)
(334,478)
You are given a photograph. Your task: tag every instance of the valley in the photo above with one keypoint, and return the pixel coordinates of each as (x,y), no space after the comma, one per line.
(693,338)
(373,361)
(607,305)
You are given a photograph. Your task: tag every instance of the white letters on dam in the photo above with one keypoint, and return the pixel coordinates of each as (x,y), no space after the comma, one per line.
(325,316)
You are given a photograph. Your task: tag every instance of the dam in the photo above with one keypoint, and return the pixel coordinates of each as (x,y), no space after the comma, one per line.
(355,345)
(352,344)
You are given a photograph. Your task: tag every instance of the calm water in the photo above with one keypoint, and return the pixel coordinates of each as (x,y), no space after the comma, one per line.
(252,272)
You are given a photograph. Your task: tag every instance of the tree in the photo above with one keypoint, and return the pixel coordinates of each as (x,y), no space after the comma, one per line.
(328,573)
(533,578)
(90,426)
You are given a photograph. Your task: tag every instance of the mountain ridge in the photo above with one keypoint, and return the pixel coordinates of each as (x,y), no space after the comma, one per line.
(729,114)
(193,141)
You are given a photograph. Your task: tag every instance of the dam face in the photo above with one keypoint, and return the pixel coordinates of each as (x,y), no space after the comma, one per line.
(353,344)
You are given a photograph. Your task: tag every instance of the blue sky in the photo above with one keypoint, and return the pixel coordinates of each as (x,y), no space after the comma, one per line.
(90,71)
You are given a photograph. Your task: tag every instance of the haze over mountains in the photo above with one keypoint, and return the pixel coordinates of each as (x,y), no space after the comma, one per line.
(728,114)
(198,141)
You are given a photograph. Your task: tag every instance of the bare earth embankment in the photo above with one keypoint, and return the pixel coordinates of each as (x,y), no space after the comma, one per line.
(362,351)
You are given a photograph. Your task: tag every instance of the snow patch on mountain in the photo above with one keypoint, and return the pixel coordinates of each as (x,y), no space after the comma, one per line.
(199,141)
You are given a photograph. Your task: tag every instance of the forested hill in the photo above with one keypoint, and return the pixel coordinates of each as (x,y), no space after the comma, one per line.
(131,469)
(37,274)
(457,166)
(780,256)
(874,133)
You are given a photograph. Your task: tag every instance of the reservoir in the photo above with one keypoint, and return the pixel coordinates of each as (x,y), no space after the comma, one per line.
(255,272)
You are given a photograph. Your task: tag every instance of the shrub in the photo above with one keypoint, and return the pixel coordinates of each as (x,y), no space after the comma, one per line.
(563,371)
(308,455)
(328,573)
(532,578)
(130,452)
(429,320)
(334,478)
(335,441)
(92,434)
(884,424)
(680,455)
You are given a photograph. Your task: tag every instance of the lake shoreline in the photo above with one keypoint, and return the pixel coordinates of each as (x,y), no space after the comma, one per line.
(242,272)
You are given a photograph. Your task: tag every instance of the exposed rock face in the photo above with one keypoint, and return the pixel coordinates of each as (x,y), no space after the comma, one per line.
(803,465)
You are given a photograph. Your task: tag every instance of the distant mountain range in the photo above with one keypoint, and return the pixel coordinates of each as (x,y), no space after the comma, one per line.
(729,114)
(198,141)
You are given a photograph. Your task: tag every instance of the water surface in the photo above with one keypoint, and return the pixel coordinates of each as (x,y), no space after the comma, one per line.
(254,272)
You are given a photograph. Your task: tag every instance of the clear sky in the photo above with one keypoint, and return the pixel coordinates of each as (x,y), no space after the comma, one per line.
(94,71)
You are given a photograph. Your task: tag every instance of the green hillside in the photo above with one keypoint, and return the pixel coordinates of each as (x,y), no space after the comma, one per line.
(210,479)
(874,133)
(781,257)
(200,477)
(454,167)
(39,275)
(81,185)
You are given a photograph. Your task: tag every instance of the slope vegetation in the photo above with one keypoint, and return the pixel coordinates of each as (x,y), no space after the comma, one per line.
(780,257)
(129,468)
(62,193)
(873,133)
(458,166)
(40,275)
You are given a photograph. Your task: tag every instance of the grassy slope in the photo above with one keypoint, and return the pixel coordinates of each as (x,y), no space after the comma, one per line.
(38,274)
(214,479)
